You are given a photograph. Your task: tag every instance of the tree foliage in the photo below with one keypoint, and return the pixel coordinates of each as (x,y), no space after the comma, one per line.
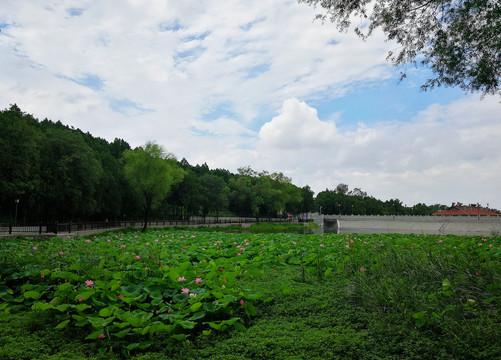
(59,173)
(18,157)
(151,172)
(357,202)
(458,40)
(70,176)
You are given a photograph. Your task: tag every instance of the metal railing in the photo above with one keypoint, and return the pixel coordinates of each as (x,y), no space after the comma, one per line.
(71,227)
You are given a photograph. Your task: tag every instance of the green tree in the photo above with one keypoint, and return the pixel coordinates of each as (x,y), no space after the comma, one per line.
(19,140)
(186,194)
(151,172)
(70,172)
(288,196)
(458,40)
(244,200)
(214,194)
(342,189)
(308,201)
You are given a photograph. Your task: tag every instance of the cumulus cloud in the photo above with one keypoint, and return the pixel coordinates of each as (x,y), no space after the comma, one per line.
(297,128)
(446,153)
(234,85)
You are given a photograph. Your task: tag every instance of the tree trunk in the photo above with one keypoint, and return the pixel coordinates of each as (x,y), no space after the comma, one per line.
(147,211)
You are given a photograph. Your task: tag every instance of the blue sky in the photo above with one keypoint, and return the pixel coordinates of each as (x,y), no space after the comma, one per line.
(245,83)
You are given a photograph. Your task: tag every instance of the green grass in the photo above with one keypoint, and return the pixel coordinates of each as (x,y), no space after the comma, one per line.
(282,227)
(317,297)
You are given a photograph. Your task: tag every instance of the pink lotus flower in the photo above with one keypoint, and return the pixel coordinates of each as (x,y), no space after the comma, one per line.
(198,280)
(89,283)
(101,336)
(242,302)
(87,241)
(42,275)
(120,296)
(123,246)
(185,291)
(138,257)
(181,278)
(80,298)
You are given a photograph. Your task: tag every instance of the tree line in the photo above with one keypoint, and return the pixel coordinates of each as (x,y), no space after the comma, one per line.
(53,172)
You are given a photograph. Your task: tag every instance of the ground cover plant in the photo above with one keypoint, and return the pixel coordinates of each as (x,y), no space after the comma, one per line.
(190,294)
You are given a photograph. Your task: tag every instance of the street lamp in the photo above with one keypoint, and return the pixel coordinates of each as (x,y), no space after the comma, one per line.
(15,216)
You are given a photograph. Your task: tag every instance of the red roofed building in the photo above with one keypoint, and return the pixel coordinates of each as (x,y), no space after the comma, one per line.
(467,210)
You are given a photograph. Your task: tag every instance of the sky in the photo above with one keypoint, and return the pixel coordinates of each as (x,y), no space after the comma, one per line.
(251,83)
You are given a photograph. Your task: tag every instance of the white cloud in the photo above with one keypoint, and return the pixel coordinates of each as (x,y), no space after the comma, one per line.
(249,56)
(297,128)
(232,84)
(446,153)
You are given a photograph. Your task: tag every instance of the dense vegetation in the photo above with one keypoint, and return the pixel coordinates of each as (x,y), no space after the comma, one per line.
(191,295)
(61,173)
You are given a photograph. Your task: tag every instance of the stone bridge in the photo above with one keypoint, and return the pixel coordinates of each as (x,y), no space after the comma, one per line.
(406,224)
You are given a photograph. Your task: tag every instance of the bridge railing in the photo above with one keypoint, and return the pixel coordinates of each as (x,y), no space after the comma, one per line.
(427,218)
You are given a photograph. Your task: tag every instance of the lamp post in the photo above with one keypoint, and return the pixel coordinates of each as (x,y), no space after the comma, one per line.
(15,216)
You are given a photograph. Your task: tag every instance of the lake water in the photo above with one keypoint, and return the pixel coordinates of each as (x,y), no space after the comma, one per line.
(334,230)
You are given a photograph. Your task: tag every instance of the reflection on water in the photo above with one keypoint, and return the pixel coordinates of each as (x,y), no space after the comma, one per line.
(335,230)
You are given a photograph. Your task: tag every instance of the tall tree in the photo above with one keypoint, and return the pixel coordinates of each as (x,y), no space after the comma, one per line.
(187,194)
(244,200)
(458,40)
(151,172)
(214,194)
(19,140)
(69,174)
(308,201)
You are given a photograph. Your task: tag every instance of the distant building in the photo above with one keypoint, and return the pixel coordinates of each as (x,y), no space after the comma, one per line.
(468,210)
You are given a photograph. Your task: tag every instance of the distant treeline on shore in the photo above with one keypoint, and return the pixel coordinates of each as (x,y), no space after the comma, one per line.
(50,171)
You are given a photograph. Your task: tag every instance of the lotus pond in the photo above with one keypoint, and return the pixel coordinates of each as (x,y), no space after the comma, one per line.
(193,294)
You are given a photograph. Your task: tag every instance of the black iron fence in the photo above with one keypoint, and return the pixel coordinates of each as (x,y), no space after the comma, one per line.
(71,227)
